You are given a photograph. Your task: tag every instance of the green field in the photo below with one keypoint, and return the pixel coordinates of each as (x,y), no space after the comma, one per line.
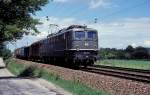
(137,64)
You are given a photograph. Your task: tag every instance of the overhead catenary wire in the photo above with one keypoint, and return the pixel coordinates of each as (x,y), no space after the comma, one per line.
(60,7)
(82,11)
(127,9)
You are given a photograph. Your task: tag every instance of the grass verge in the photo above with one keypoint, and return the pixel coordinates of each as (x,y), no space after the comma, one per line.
(72,86)
(137,64)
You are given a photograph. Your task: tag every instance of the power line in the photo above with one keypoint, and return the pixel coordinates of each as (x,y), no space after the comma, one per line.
(126,9)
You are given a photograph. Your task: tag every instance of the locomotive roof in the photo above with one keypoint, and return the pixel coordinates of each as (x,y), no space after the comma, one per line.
(72,27)
(22,47)
(64,30)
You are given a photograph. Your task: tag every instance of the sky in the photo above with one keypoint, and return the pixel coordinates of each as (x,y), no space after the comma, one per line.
(119,22)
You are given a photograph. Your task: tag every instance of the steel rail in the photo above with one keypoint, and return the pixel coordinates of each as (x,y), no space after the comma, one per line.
(132,74)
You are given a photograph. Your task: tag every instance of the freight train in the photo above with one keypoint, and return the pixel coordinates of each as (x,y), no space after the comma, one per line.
(74,45)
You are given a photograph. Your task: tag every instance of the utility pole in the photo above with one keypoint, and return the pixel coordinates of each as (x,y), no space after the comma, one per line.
(47,18)
(95,20)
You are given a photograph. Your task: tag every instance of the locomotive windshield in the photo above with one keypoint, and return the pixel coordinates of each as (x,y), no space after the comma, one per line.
(79,35)
(92,35)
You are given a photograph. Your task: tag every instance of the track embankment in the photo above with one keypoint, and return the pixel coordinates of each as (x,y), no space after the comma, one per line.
(111,84)
(127,73)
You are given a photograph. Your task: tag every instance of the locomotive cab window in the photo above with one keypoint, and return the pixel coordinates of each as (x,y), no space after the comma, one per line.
(79,35)
(92,35)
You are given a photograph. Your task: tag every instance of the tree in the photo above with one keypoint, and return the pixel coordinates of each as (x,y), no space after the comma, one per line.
(128,52)
(5,53)
(129,49)
(16,18)
(120,54)
(140,53)
(108,53)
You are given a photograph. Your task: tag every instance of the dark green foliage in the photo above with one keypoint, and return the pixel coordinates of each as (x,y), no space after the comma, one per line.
(16,18)
(28,72)
(140,53)
(4,52)
(129,49)
(113,53)
(148,49)
(128,53)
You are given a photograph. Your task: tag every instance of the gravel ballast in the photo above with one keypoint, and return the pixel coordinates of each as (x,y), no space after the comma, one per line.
(110,84)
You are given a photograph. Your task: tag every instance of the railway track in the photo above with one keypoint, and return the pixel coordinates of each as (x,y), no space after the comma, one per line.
(127,73)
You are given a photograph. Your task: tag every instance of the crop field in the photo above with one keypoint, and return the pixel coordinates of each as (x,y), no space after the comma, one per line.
(136,64)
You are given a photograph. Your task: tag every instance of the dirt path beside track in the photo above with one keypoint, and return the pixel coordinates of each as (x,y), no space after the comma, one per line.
(12,85)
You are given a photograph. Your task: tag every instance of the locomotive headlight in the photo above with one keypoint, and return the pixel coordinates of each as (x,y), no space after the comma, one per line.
(86,44)
(77,47)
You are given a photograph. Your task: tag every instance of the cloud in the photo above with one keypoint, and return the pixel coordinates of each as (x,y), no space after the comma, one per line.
(44,29)
(115,34)
(126,31)
(128,26)
(98,3)
(61,22)
(60,1)
(134,44)
(147,43)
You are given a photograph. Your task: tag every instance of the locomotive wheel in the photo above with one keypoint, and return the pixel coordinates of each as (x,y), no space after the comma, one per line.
(91,63)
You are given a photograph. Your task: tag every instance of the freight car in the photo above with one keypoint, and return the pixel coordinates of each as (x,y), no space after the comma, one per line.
(76,45)
(22,53)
